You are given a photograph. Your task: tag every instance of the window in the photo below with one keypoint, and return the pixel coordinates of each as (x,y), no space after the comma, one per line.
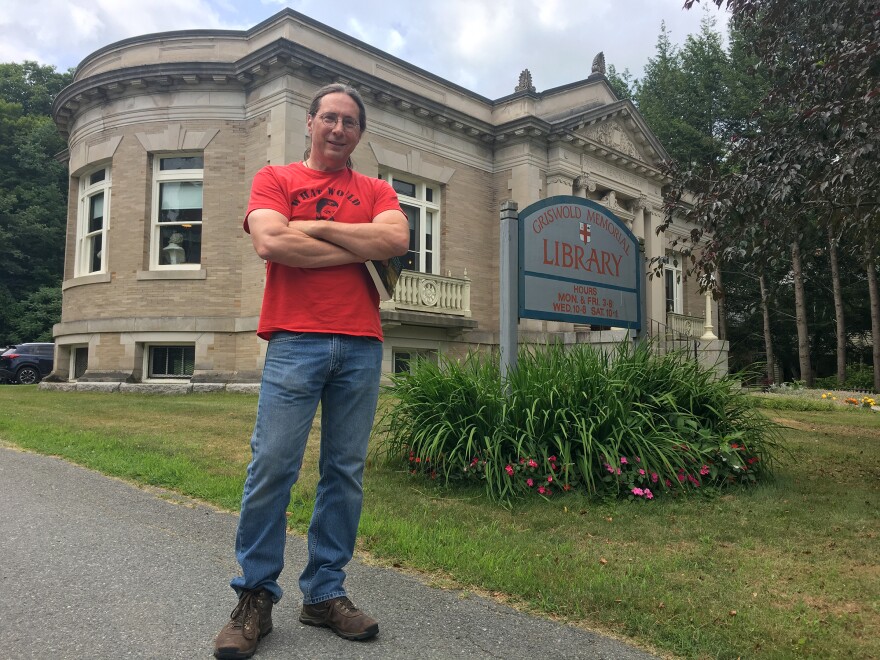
(420,202)
(672,283)
(405,358)
(171,362)
(91,235)
(177,211)
(79,361)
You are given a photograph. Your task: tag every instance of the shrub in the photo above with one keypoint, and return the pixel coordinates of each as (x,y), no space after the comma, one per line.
(859,377)
(577,418)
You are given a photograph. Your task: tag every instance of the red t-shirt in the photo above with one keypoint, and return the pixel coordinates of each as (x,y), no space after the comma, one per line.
(333,299)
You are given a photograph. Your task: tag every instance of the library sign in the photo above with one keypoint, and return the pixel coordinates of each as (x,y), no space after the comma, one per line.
(578,262)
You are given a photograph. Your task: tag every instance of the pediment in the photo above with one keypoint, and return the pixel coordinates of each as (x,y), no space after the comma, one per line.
(622,136)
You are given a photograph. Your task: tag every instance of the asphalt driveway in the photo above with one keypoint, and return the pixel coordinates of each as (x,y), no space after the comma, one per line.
(93,567)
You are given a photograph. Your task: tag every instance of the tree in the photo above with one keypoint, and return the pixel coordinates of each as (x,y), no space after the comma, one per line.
(33,198)
(622,84)
(810,152)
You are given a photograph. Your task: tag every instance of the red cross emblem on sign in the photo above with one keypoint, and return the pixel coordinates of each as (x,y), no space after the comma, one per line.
(585,232)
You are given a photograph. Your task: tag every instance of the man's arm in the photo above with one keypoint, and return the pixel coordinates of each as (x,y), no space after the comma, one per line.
(385,237)
(276,240)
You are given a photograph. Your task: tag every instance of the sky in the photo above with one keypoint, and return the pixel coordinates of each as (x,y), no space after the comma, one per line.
(481,45)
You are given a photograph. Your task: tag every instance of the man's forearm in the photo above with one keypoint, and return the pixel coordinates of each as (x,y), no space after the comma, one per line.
(292,247)
(369,240)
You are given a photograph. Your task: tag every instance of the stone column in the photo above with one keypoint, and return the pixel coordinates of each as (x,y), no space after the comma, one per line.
(656,294)
(558,184)
(584,185)
(285,134)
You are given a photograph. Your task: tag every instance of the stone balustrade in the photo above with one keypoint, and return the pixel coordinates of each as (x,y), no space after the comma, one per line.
(683,325)
(423,292)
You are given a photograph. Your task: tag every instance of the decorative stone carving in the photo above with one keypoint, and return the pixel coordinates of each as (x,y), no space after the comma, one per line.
(525,82)
(560,179)
(428,292)
(609,201)
(612,135)
(599,64)
(585,182)
(640,204)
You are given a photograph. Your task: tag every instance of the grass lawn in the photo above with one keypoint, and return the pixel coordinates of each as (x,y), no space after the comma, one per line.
(786,569)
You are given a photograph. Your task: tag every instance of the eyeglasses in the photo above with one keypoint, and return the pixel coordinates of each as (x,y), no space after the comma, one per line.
(330,119)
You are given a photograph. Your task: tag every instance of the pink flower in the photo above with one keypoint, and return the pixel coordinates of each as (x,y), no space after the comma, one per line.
(704,470)
(623,460)
(541,489)
(521,461)
(509,470)
(549,479)
(638,491)
(609,468)
(532,463)
(551,459)
(638,460)
(681,476)
(529,483)
(654,477)
(641,472)
(648,494)
(668,483)
(618,470)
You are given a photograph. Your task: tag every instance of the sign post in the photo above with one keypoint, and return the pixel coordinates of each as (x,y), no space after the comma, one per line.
(509,272)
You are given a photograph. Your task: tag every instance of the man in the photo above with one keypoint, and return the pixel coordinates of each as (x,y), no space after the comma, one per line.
(320,316)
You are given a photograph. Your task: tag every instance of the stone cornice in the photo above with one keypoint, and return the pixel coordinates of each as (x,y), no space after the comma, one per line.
(284,57)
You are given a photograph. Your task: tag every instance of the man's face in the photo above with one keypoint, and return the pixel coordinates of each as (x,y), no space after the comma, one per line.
(328,210)
(333,144)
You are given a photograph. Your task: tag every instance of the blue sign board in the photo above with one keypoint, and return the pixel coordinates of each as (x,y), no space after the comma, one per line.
(578,262)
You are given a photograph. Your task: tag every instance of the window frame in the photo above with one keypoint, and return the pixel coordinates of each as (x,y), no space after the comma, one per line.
(74,352)
(161,176)
(84,237)
(421,203)
(149,377)
(397,353)
(672,267)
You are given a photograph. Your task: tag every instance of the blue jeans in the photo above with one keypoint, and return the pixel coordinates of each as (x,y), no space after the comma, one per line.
(342,372)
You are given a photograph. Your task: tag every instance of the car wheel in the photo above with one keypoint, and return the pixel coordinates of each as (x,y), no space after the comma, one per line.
(28,376)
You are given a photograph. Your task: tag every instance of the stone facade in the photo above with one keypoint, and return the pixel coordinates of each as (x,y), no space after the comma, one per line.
(238,100)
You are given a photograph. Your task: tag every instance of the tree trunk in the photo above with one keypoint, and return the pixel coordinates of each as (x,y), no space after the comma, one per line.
(875,318)
(838,307)
(800,306)
(768,338)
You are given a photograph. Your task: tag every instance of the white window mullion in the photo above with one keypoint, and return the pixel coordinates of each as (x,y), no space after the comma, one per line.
(177,205)
(421,204)
(92,222)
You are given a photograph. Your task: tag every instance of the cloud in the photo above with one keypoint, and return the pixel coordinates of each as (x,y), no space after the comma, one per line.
(65,31)
(481,45)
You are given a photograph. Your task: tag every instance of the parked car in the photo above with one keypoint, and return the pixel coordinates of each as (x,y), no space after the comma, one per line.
(27,363)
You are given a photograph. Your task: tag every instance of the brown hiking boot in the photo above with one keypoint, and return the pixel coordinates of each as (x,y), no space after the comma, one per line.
(342,617)
(251,620)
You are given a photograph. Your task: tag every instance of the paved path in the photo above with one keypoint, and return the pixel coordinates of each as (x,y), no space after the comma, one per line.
(92,567)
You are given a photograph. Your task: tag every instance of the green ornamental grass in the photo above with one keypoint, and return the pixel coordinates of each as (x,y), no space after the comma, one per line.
(627,423)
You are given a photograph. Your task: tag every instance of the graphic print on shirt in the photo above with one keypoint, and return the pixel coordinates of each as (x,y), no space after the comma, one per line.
(326,202)
(326,208)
